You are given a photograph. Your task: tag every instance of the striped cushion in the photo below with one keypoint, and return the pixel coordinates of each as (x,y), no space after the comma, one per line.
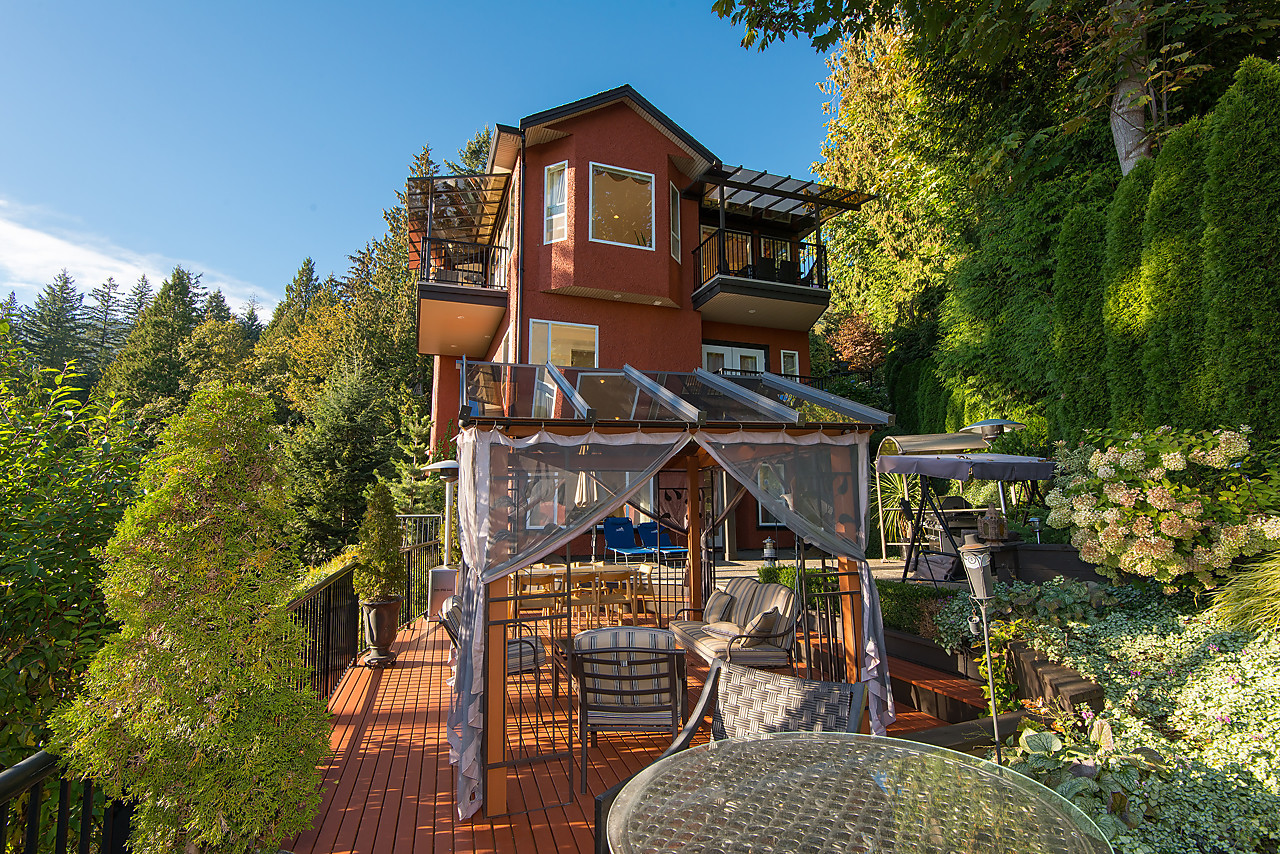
(764,655)
(628,638)
(525,654)
(719,604)
(723,629)
(637,720)
(761,627)
(743,591)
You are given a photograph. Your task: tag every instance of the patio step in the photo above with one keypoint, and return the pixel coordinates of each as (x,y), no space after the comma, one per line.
(945,696)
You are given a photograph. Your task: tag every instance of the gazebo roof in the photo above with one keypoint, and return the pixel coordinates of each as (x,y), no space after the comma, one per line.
(573,398)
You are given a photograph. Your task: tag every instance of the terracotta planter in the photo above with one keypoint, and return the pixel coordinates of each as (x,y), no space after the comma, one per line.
(925,652)
(381,622)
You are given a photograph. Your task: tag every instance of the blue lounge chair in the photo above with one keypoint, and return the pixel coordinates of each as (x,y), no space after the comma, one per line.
(620,539)
(657,542)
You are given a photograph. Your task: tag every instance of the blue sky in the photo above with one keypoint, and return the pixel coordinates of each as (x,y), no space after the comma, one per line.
(239,138)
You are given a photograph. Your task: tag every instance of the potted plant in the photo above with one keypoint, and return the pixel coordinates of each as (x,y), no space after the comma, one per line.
(379,577)
(191,710)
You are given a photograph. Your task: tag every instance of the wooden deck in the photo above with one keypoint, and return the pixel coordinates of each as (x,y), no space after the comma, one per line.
(388,786)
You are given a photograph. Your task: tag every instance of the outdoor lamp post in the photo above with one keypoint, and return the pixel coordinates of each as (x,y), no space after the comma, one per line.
(977,569)
(444,577)
(989,429)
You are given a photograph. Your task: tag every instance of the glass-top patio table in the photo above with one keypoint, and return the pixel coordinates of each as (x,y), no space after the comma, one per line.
(811,793)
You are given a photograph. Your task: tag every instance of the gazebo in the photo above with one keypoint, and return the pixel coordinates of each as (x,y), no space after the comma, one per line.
(546,453)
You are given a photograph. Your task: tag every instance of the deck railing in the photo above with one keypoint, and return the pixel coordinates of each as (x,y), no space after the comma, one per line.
(43,824)
(761,257)
(454,262)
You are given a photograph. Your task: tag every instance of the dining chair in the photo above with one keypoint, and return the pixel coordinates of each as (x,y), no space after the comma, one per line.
(628,680)
(740,701)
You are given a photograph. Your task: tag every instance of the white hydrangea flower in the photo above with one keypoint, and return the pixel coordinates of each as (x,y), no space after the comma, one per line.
(1173,461)
(1106,472)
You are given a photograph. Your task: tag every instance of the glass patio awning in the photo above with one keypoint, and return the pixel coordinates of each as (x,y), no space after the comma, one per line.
(777,196)
(464,208)
(545,394)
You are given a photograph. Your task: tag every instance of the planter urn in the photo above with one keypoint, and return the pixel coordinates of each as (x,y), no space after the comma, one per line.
(381,622)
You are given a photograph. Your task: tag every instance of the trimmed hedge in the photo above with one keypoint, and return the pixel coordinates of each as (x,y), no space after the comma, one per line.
(1124,307)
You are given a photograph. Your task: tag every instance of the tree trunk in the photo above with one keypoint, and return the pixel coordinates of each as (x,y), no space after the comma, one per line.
(1128,114)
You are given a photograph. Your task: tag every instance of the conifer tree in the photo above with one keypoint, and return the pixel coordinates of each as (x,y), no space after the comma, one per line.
(1241,242)
(54,329)
(216,308)
(216,352)
(150,373)
(1125,307)
(250,322)
(473,156)
(106,327)
(11,313)
(140,296)
(411,489)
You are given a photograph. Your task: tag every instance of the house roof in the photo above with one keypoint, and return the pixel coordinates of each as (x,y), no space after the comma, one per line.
(538,127)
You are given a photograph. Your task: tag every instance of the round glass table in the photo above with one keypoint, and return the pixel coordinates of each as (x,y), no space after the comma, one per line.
(813,793)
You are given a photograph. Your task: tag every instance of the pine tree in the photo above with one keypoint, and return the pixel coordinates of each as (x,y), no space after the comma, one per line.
(249,321)
(107,328)
(150,372)
(216,308)
(473,157)
(54,329)
(412,490)
(137,301)
(10,314)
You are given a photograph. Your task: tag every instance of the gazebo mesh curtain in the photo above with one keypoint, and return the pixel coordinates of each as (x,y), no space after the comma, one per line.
(816,485)
(519,501)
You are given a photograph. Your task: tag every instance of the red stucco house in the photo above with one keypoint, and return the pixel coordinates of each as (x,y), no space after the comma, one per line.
(602,235)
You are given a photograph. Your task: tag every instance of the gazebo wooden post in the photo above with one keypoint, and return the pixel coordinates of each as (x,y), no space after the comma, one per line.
(695,532)
(495,699)
(850,582)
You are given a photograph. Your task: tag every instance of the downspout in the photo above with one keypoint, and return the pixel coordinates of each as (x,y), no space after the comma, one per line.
(515,335)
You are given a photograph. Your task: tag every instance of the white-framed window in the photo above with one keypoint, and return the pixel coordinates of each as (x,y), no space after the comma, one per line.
(718,357)
(556,208)
(621,206)
(568,345)
(675,223)
(790,363)
(770,481)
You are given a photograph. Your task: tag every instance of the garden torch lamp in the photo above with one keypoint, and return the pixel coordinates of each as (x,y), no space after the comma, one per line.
(770,554)
(977,569)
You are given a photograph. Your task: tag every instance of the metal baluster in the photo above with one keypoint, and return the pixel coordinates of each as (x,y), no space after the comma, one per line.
(64,817)
(34,795)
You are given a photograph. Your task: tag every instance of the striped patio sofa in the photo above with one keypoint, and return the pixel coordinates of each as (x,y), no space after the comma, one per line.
(747,622)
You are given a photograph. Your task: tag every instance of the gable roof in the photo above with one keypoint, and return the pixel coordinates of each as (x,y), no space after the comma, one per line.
(537,127)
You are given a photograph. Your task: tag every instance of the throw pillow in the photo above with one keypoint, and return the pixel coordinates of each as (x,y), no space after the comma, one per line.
(761,627)
(723,629)
(719,604)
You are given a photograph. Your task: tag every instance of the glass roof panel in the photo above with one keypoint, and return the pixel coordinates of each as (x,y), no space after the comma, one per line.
(514,391)
(614,397)
(456,207)
(716,404)
(808,410)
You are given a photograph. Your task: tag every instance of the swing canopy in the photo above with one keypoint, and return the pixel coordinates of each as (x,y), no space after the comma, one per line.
(966,467)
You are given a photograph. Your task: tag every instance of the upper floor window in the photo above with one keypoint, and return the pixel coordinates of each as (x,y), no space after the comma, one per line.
(675,223)
(557,208)
(790,363)
(621,206)
(569,345)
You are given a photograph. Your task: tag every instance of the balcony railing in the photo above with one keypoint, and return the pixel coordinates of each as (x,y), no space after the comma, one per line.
(761,257)
(79,818)
(454,262)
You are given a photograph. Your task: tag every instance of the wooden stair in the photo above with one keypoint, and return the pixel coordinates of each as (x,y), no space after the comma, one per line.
(948,697)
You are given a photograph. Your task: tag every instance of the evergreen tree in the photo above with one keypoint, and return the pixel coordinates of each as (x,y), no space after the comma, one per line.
(140,296)
(473,156)
(54,329)
(411,489)
(298,295)
(150,373)
(216,308)
(1171,281)
(249,321)
(10,314)
(335,457)
(1241,243)
(1125,307)
(217,351)
(1079,348)
(106,327)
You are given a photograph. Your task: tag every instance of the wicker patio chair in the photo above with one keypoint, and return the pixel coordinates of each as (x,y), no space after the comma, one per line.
(739,701)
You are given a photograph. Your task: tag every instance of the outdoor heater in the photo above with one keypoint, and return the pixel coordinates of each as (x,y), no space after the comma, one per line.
(989,429)
(444,578)
(977,568)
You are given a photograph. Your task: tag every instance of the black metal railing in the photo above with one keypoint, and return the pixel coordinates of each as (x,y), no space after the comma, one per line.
(329,614)
(454,262)
(761,257)
(32,821)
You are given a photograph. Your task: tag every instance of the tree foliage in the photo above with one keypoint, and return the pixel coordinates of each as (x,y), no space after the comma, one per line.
(380,574)
(1125,307)
(191,710)
(66,475)
(53,330)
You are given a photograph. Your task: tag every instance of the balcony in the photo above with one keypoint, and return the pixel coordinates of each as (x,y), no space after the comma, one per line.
(760,280)
(462,297)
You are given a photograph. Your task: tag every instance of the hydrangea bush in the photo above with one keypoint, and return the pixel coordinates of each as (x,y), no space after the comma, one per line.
(1172,505)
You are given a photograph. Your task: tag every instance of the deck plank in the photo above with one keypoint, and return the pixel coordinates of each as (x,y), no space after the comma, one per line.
(389,787)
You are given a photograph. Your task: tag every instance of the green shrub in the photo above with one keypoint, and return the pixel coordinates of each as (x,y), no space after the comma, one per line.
(191,710)
(909,607)
(1125,306)
(1078,347)
(380,574)
(66,475)
(1250,600)
(1171,283)
(1241,244)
